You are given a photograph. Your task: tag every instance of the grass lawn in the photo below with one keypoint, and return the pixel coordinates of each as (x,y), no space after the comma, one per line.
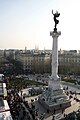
(69,80)
(21,83)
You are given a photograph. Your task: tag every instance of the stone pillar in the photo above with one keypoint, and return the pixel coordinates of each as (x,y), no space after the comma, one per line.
(54,78)
(55,36)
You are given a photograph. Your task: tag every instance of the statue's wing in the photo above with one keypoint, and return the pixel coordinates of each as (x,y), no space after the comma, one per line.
(52,11)
(59,14)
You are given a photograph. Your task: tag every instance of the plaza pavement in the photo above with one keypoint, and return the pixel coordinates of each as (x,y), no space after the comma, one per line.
(48,116)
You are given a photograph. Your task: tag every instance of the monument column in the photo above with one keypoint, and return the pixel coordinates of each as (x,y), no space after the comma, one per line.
(53,97)
(54,82)
(55,36)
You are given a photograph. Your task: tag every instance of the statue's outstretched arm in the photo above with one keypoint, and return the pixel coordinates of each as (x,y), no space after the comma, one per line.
(52,12)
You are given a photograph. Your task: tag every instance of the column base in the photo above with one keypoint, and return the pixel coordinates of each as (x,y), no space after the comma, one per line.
(54,77)
(55,108)
(54,82)
(54,97)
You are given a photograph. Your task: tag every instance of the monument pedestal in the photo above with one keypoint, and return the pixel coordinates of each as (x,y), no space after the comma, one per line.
(53,98)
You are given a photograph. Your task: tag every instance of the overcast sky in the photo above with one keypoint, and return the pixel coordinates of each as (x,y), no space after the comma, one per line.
(29,22)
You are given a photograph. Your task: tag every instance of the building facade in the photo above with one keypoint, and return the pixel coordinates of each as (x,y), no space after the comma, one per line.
(39,61)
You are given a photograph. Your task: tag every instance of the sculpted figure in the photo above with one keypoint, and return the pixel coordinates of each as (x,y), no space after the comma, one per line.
(55,19)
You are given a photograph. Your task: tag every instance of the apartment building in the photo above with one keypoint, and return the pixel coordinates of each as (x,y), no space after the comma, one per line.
(34,61)
(69,57)
(40,60)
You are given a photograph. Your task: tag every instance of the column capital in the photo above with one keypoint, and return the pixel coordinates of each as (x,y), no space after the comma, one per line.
(55,34)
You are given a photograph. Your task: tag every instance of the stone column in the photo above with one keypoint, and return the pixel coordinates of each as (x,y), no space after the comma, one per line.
(54,78)
(55,36)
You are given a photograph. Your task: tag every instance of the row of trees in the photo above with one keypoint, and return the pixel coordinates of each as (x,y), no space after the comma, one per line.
(11,66)
(70,69)
(42,67)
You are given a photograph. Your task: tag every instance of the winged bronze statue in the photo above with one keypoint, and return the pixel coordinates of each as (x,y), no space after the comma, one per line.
(55,19)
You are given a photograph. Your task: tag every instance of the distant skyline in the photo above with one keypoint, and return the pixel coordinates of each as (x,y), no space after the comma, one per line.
(29,22)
